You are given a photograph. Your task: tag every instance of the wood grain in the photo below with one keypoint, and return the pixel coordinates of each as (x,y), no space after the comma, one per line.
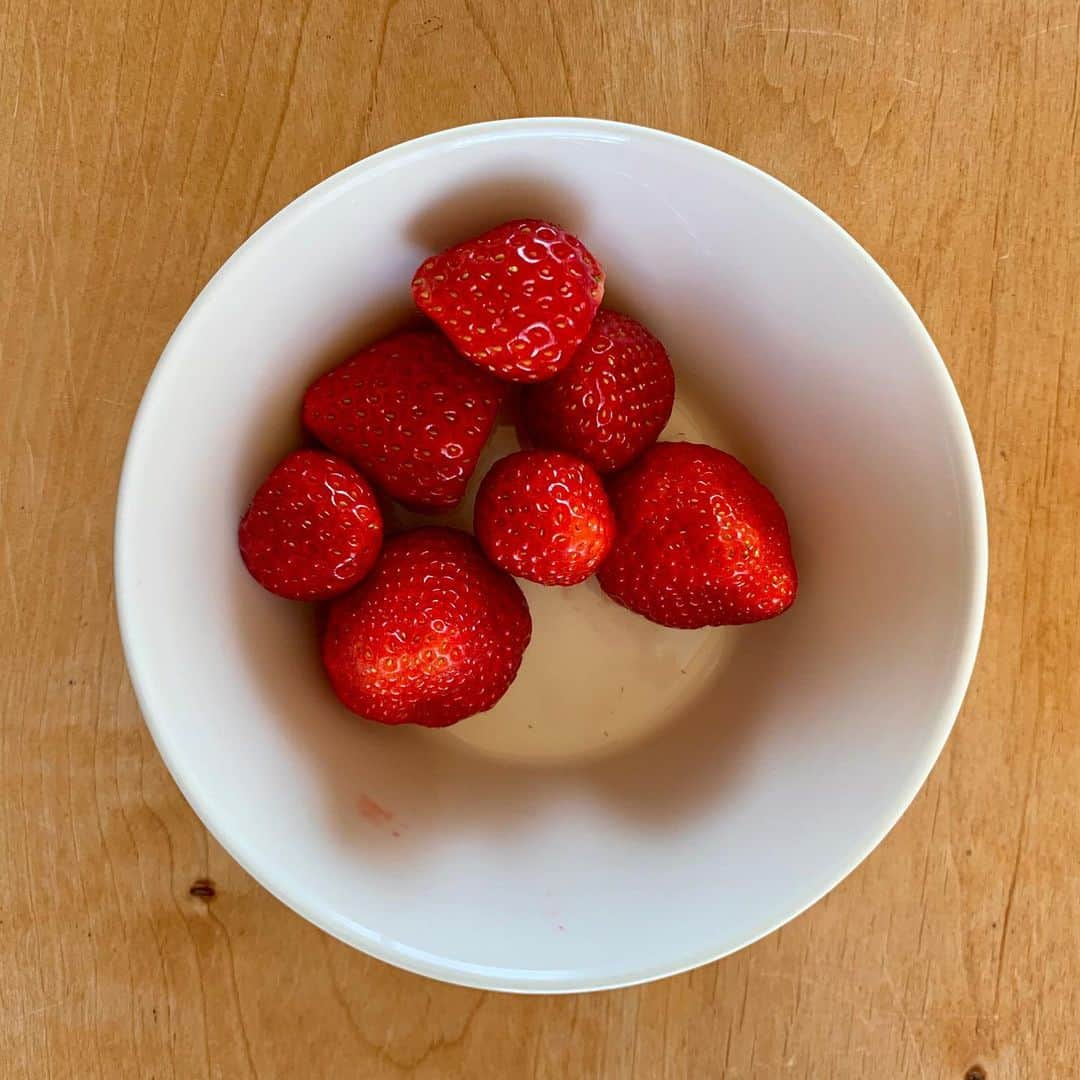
(141,141)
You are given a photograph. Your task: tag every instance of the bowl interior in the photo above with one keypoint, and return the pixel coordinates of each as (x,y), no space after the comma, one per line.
(643,800)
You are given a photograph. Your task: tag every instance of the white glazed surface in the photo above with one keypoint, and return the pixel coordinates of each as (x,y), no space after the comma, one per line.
(643,800)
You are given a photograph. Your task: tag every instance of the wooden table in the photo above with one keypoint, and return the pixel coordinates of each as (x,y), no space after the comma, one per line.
(141,142)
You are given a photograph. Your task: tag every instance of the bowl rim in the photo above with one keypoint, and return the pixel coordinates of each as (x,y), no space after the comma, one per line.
(371,941)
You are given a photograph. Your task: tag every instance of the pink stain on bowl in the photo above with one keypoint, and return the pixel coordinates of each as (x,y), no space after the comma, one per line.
(374,813)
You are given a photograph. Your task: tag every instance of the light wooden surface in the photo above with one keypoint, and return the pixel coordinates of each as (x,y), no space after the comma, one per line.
(142,140)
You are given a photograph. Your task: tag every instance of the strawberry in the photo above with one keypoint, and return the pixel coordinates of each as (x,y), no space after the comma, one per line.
(409,412)
(516,300)
(611,402)
(544,516)
(700,542)
(434,634)
(313,528)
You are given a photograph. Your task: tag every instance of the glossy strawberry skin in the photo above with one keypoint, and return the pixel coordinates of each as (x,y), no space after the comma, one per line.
(543,515)
(434,634)
(410,413)
(611,402)
(700,541)
(517,300)
(313,529)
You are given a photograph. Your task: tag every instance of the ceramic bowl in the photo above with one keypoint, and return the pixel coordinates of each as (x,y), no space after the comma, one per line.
(642,800)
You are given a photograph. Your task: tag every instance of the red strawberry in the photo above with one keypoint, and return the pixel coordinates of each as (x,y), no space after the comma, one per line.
(700,542)
(517,300)
(409,412)
(543,515)
(611,402)
(313,528)
(434,634)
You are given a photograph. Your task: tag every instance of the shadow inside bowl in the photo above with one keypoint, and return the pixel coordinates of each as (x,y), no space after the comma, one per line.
(698,755)
(474,208)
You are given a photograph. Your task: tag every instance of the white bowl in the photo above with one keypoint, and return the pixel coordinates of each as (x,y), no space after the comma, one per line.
(643,800)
